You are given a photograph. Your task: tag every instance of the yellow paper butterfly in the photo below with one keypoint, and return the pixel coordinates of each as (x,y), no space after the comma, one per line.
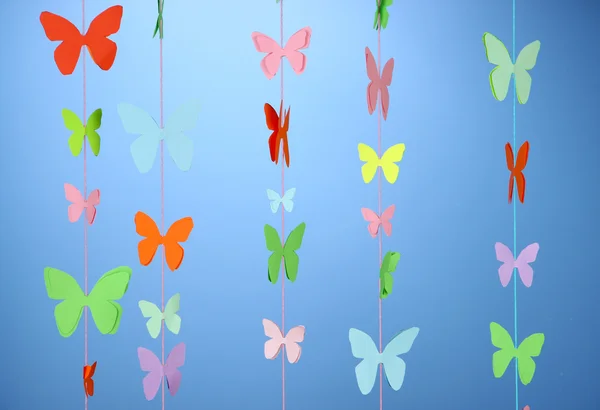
(386,162)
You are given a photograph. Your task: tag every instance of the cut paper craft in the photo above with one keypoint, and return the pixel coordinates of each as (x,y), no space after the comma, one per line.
(88,382)
(170,316)
(527,256)
(159,20)
(379,84)
(80,131)
(375,221)
(291,341)
(300,40)
(150,363)
(101,300)
(526,408)
(382,15)
(177,233)
(388,266)
(143,149)
(500,76)
(386,162)
(280,132)
(287,252)
(516,169)
(364,348)
(276,200)
(78,204)
(102,50)
(530,347)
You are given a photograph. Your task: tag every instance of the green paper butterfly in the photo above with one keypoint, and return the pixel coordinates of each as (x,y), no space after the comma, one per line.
(287,252)
(101,300)
(170,316)
(73,123)
(390,260)
(497,54)
(530,347)
(159,20)
(381,14)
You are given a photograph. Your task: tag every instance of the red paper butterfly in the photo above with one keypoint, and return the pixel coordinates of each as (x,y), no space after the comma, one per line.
(279,133)
(516,170)
(88,382)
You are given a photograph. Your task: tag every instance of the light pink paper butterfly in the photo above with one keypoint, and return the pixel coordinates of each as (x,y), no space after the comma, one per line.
(527,256)
(379,83)
(375,220)
(273,346)
(270,64)
(150,363)
(78,204)
(526,407)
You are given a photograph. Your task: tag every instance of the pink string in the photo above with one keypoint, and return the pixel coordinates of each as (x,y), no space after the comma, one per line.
(162,221)
(85,238)
(281,120)
(380,233)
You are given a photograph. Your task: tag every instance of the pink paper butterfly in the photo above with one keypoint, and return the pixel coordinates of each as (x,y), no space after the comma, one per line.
(150,363)
(78,204)
(375,221)
(270,64)
(378,83)
(290,341)
(526,407)
(527,256)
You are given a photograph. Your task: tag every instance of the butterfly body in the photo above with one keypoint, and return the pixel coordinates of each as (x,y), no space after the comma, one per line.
(156,371)
(387,162)
(287,252)
(516,169)
(271,62)
(79,204)
(88,381)
(527,256)
(379,83)
(277,341)
(279,135)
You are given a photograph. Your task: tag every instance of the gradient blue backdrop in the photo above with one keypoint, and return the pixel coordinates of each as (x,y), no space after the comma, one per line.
(451,201)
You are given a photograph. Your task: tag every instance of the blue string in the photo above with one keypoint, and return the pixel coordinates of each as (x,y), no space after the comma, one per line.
(515,201)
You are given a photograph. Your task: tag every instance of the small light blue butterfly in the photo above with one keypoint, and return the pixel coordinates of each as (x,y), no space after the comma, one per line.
(364,348)
(143,149)
(277,200)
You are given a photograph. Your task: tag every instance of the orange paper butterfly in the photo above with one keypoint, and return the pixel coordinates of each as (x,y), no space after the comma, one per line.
(102,50)
(178,232)
(516,169)
(88,382)
(279,133)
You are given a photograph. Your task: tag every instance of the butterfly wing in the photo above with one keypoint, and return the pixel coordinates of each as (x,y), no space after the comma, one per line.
(288,199)
(394,367)
(510,163)
(527,256)
(522,157)
(283,132)
(150,363)
(274,245)
(529,348)
(74,124)
(137,121)
(374,85)
(525,61)
(88,382)
(368,155)
(272,119)
(298,41)
(265,44)
(394,154)
(67,53)
(62,286)
(177,233)
(94,123)
(151,311)
(386,81)
(273,345)
(501,358)
(386,217)
(172,319)
(373,219)
(292,244)
(73,195)
(497,54)
(92,201)
(110,287)
(504,255)
(364,348)
(174,361)
(292,348)
(103,51)
(147,247)
(181,147)
(275,200)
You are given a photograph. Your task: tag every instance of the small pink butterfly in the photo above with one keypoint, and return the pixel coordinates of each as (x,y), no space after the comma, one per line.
(273,346)
(379,83)
(78,204)
(526,407)
(270,64)
(527,256)
(150,363)
(375,220)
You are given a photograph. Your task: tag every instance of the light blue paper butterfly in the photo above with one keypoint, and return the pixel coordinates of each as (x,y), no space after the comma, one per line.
(143,149)
(277,200)
(364,348)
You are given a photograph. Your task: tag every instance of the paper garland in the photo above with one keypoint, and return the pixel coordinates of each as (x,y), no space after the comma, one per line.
(362,345)
(523,353)
(106,312)
(151,140)
(283,253)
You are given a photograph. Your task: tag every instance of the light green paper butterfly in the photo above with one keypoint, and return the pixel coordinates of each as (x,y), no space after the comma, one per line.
(497,54)
(73,123)
(170,316)
(101,300)
(159,20)
(381,14)
(287,252)
(530,347)
(390,260)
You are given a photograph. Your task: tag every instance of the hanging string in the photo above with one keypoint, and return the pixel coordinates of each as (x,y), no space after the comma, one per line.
(379,172)
(281,119)
(162,218)
(85,225)
(514,56)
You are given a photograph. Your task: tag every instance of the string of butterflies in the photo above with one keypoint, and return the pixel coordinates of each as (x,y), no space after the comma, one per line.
(362,345)
(499,78)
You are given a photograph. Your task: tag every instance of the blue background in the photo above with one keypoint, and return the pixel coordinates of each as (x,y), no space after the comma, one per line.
(451,200)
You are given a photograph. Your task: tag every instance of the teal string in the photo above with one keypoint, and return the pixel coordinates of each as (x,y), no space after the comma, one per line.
(514,56)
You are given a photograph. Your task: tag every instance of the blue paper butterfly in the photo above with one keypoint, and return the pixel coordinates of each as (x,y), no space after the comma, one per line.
(277,200)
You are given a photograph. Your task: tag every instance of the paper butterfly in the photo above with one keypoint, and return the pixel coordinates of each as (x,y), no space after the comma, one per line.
(101,300)
(388,266)
(279,134)
(78,204)
(364,348)
(497,54)
(375,221)
(88,382)
(271,62)
(277,200)
(287,252)
(170,316)
(273,346)
(516,169)
(147,247)
(527,256)
(102,50)
(150,363)
(159,20)
(530,347)
(379,84)
(526,408)
(143,149)
(382,15)
(80,131)
(386,162)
